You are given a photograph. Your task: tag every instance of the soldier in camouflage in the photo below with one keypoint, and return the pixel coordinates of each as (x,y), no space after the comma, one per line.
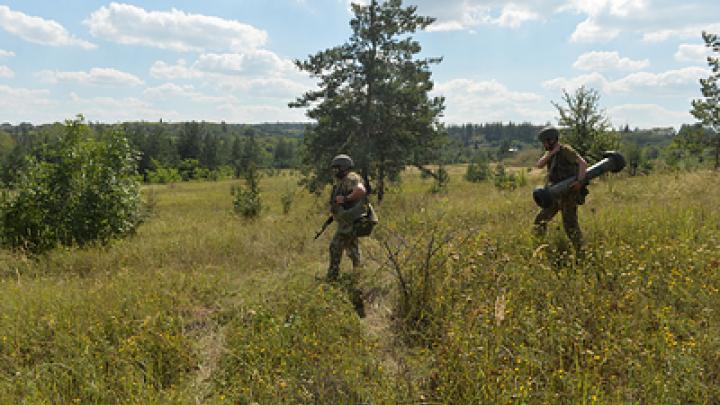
(347,204)
(562,161)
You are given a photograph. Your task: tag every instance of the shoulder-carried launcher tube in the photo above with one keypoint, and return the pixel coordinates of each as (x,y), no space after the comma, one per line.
(612,162)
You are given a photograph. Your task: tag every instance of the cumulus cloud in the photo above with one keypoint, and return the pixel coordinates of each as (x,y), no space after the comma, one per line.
(96,76)
(478,101)
(254,63)
(604,20)
(692,53)
(20,104)
(38,30)
(590,31)
(647,115)
(115,109)
(608,61)
(683,32)
(180,70)
(174,30)
(6,72)
(594,80)
(645,80)
(6,54)
(678,77)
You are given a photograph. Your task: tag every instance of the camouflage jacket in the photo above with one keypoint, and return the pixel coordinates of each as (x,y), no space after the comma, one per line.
(346,214)
(562,165)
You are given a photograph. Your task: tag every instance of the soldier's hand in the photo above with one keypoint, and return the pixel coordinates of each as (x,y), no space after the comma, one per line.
(340,199)
(576,186)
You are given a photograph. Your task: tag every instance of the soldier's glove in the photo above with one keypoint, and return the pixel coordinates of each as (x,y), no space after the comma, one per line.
(576,186)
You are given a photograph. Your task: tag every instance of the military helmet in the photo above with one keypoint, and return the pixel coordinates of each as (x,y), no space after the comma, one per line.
(548,133)
(342,161)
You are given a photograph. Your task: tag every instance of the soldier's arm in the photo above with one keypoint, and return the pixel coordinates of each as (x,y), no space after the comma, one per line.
(544,159)
(582,167)
(357,193)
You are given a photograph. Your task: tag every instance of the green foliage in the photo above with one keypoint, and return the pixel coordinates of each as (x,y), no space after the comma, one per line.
(373,101)
(587,127)
(441,180)
(707,109)
(505,180)
(78,191)
(247,201)
(287,198)
(478,170)
(163,175)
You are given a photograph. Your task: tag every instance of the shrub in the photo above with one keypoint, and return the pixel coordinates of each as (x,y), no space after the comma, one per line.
(287,199)
(78,191)
(478,170)
(442,178)
(508,181)
(247,201)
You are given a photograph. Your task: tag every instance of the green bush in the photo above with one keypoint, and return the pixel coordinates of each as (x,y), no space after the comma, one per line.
(478,170)
(78,191)
(508,181)
(247,201)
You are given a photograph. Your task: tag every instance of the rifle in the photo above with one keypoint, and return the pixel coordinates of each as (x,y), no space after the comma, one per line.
(325,224)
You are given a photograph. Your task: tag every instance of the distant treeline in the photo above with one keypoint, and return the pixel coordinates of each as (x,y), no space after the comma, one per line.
(204,150)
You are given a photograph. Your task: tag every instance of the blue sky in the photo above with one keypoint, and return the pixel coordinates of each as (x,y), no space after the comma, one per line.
(231,60)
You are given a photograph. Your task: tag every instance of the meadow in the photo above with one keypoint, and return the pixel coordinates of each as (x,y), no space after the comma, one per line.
(462,303)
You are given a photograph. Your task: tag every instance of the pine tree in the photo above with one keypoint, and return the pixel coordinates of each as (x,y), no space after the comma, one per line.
(707,110)
(373,98)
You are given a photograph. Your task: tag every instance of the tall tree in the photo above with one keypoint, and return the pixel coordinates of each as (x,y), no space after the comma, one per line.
(372,101)
(587,128)
(190,143)
(707,109)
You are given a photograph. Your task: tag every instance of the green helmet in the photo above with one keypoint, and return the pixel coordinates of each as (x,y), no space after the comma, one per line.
(343,161)
(548,133)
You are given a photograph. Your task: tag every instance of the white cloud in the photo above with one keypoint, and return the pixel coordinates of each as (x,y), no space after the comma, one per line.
(114,109)
(634,81)
(253,63)
(647,116)
(6,54)
(671,78)
(514,16)
(590,31)
(683,32)
(482,101)
(608,61)
(6,72)
(23,104)
(38,30)
(174,29)
(257,73)
(594,80)
(96,76)
(162,70)
(692,53)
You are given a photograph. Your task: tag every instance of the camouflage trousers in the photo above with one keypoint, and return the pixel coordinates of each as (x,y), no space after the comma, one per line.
(568,208)
(342,242)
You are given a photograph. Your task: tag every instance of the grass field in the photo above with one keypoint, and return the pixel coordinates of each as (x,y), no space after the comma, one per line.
(463,304)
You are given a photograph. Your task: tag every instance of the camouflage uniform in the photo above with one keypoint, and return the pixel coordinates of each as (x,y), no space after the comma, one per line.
(559,167)
(345,215)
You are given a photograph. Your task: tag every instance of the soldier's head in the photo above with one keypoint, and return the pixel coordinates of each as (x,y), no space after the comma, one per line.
(341,165)
(548,136)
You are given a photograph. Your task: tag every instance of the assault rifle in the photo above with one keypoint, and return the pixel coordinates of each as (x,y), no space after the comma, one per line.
(325,224)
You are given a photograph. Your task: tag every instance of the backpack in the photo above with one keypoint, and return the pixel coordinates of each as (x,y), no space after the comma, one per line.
(364,225)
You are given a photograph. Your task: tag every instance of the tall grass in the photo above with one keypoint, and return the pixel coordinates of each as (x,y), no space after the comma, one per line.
(202,306)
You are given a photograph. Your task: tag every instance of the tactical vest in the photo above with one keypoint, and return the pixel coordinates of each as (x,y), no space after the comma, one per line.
(346,214)
(562,165)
